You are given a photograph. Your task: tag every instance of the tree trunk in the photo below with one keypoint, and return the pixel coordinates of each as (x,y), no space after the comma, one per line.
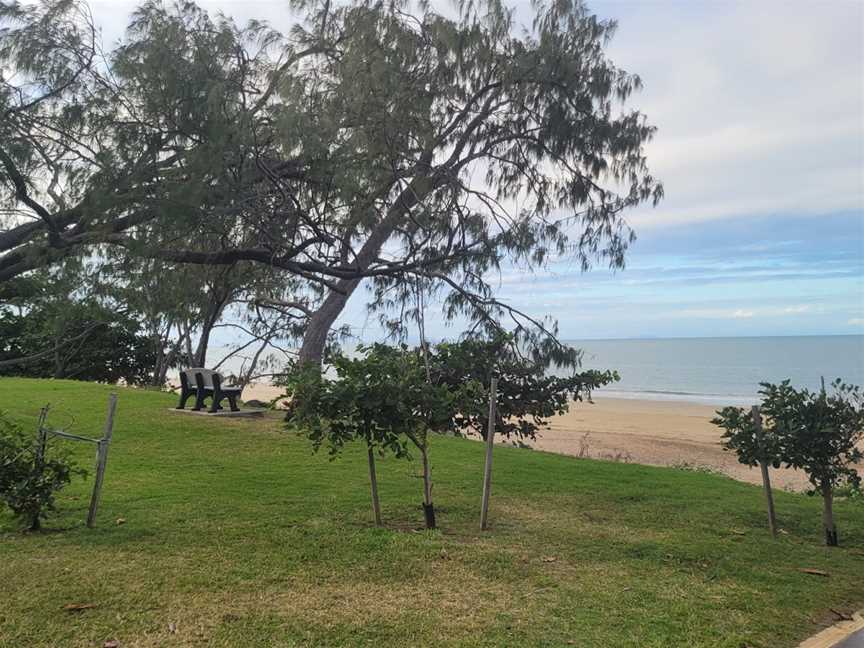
(204,342)
(318,327)
(321,321)
(373,483)
(831,539)
(220,294)
(763,466)
(428,506)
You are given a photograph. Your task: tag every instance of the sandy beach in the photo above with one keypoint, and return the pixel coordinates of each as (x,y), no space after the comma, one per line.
(657,433)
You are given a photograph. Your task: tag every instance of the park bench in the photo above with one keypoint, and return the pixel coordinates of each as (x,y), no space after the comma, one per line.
(204,383)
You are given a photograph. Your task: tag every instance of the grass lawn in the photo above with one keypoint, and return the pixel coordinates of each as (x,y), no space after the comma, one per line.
(235,534)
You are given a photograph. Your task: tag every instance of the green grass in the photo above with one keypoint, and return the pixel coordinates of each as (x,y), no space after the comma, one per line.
(236,534)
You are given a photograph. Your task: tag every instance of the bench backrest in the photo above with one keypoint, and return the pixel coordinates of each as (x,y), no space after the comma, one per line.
(206,375)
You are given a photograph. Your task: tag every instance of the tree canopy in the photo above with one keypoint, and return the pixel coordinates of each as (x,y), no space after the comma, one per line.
(466,144)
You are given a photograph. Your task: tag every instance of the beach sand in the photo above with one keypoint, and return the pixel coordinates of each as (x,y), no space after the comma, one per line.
(658,433)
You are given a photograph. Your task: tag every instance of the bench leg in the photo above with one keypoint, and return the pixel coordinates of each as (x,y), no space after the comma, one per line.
(232,399)
(199,402)
(185,394)
(214,405)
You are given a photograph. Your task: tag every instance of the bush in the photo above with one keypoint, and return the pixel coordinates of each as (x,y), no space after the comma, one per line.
(27,485)
(820,434)
(382,398)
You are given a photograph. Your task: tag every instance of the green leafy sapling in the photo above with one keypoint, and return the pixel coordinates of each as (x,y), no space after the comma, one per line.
(527,396)
(820,433)
(30,474)
(381,398)
(755,443)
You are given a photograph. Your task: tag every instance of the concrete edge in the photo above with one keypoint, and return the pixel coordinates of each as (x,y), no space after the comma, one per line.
(836,633)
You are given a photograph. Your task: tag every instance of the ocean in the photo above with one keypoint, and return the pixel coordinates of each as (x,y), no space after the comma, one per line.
(722,370)
(717,371)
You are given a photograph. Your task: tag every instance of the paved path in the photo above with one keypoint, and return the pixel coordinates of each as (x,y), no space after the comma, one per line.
(855,640)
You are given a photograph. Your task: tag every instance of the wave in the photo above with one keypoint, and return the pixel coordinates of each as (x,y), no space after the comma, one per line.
(670,395)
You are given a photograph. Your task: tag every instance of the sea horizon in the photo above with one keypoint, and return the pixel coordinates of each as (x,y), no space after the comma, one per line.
(716,370)
(722,370)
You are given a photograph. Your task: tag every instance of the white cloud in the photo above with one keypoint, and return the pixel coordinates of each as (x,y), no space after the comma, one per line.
(856,321)
(758,105)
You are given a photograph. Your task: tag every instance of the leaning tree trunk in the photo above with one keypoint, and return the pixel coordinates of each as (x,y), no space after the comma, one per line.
(322,320)
(831,539)
(204,340)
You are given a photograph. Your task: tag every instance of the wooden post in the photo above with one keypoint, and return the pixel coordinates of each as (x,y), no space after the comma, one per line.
(39,458)
(101,460)
(763,466)
(490,441)
(373,482)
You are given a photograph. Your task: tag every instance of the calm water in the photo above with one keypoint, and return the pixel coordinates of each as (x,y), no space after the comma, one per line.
(722,370)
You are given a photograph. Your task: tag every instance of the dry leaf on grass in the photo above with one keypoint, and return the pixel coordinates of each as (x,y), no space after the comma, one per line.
(78,607)
(814,572)
(111,643)
(121,521)
(172,628)
(549,559)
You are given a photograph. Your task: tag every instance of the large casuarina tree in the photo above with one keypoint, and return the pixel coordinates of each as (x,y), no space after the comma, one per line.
(375,140)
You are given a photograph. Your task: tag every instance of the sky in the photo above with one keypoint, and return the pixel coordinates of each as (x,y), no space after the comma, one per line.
(760,146)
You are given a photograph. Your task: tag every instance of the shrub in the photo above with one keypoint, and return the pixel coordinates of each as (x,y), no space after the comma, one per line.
(819,433)
(526,396)
(381,398)
(28,482)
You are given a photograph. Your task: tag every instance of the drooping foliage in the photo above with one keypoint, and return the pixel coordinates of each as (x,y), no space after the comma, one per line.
(468,144)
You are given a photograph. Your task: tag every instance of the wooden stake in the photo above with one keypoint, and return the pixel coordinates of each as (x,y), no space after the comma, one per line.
(766,479)
(39,459)
(373,482)
(490,441)
(101,460)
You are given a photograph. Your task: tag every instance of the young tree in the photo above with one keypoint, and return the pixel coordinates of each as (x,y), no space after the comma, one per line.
(380,398)
(527,396)
(745,435)
(819,433)
(29,476)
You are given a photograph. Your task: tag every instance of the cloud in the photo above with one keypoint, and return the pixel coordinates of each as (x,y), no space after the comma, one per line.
(856,321)
(758,105)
